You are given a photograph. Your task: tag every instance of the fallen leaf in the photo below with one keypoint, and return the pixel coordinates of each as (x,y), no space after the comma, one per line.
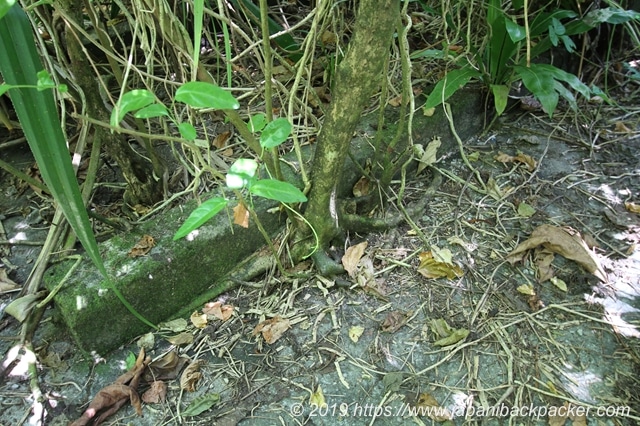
(272,329)
(526,160)
(201,404)
(525,210)
(355,332)
(146,341)
(362,187)
(447,335)
(218,310)
(191,376)
(6,284)
(566,243)
(632,207)
(317,398)
(183,338)
(166,367)
(526,289)
(429,155)
(543,259)
(432,268)
(178,324)
(110,398)
(622,128)
(156,394)
(392,381)
(199,320)
(221,139)
(396,102)
(352,257)
(394,321)
(241,215)
(559,283)
(143,246)
(432,408)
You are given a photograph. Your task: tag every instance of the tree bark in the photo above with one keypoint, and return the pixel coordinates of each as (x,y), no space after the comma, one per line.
(358,77)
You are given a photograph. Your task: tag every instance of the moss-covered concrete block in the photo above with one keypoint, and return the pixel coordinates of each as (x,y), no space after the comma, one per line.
(159,284)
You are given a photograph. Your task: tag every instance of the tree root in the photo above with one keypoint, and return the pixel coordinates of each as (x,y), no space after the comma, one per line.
(359,223)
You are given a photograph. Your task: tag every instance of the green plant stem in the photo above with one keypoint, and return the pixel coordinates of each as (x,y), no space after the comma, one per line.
(526,30)
(268,74)
(475,171)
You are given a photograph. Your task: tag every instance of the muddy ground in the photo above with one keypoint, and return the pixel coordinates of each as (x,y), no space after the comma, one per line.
(377,345)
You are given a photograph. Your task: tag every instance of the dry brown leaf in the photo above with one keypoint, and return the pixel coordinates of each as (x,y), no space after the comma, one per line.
(527,160)
(183,338)
(143,246)
(503,158)
(432,408)
(622,128)
(110,398)
(191,376)
(394,321)
(431,268)
(362,187)
(352,256)
(429,155)
(221,139)
(165,368)
(156,394)
(633,207)
(218,310)
(6,284)
(241,215)
(396,102)
(199,320)
(272,329)
(564,242)
(543,259)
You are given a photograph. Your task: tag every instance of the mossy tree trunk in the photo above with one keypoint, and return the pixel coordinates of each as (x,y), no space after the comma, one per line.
(144,187)
(358,77)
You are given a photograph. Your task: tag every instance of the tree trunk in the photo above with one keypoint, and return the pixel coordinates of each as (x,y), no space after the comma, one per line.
(357,79)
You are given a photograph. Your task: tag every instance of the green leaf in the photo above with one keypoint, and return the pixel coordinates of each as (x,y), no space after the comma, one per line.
(277,190)
(5,5)
(200,215)
(151,111)
(610,16)
(4,88)
(257,122)
(515,31)
(38,115)
(201,404)
(44,80)
(451,83)
(241,173)
(187,131)
(130,361)
(275,133)
(428,53)
(500,97)
(131,101)
(198,94)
